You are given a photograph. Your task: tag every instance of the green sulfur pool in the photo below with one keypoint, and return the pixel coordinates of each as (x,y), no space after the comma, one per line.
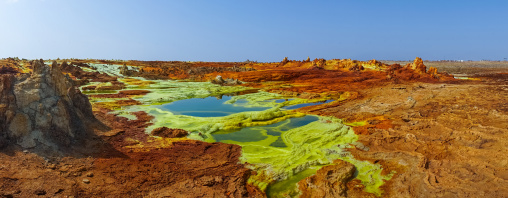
(258,133)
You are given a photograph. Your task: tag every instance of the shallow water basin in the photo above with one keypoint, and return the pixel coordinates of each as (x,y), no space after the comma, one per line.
(208,107)
(259,133)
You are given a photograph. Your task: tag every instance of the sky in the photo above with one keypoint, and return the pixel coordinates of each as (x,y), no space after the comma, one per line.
(265,31)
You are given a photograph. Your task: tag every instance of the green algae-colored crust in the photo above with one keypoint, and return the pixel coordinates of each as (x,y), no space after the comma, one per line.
(308,148)
(260,99)
(202,127)
(369,174)
(99,91)
(265,99)
(168,91)
(136,82)
(112,70)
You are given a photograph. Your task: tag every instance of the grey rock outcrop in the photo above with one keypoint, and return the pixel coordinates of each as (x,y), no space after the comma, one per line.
(124,70)
(42,109)
(228,81)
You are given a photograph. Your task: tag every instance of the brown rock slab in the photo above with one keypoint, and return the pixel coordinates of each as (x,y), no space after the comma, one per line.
(169,133)
(329,181)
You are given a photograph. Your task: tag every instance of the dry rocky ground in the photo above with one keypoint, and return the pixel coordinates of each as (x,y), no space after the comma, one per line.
(446,140)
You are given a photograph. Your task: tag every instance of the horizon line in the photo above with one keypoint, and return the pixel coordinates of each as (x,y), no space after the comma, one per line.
(248,60)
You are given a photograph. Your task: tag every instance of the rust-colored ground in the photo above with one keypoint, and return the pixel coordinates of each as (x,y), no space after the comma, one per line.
(444,140)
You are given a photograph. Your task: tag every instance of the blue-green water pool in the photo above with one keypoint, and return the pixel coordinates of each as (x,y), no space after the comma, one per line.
(258,133)
(208,107)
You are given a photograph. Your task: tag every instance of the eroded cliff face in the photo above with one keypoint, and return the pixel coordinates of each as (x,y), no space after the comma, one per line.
(42,109)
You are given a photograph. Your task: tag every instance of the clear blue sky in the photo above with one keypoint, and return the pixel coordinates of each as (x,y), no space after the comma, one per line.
(257,30)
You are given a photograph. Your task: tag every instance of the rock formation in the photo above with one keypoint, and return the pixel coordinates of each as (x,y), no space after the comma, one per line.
(42,109)
(319,62)
(417,65)
(416,71)
(124,70)
(356,67)
(329,181)
(285,60)
(169,133)
(228,81)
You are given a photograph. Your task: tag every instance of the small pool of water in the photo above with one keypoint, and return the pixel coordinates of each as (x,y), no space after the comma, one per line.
(208,107)
(259,133)
(306,104)
(280,100)
(287,188)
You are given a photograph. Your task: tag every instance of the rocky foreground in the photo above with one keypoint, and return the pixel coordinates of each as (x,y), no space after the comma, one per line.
(43,110)
(441,136)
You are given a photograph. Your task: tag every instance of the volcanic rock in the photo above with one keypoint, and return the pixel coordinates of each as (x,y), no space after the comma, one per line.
(319,62)
(285,60)
(228,81)
(356,67)
(42,109)
(329,181)
(124,70)
(169,133)
(418,65)
(433,71)
(218,80)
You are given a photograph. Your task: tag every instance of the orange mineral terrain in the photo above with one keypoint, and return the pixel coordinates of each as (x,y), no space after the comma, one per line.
(312,128)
